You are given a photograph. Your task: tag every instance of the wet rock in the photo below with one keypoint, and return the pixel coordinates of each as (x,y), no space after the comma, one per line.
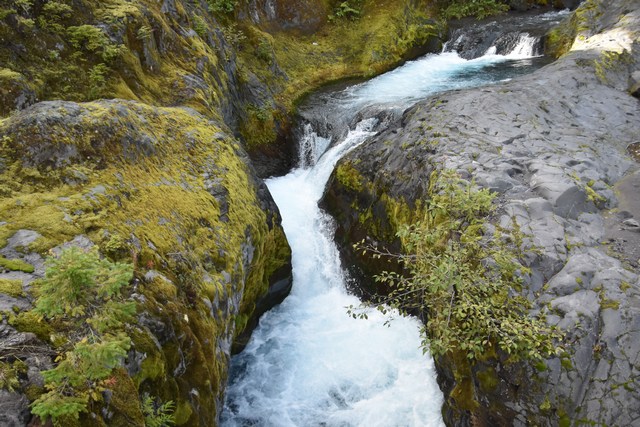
(14,409)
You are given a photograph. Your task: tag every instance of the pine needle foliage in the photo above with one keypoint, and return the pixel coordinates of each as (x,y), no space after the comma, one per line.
(84,294)
(463,283)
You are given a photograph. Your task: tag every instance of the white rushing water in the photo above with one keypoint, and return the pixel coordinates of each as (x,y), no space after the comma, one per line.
(309,363)
(435,73)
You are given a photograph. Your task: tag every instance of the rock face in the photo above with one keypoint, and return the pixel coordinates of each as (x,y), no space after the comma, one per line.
(553,146)
(305,17)
(166,189)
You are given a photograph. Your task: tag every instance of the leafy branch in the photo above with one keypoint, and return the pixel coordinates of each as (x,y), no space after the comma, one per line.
(461,283)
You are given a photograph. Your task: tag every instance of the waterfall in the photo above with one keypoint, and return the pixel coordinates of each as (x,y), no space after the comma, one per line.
(506,36)
(308,363)
(527,46)
(311,146)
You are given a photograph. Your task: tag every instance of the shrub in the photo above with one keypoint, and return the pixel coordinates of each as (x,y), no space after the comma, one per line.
(225,6)
(93,39)
(479,8)
(463,283)
(350,9)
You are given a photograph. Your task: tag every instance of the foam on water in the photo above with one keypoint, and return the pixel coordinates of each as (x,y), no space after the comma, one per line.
(309,363)
(432,74)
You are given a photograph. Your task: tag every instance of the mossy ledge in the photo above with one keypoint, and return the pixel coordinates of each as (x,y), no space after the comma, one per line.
(169,191)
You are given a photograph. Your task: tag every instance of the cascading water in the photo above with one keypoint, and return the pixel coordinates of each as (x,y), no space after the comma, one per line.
(311,146)
(309,363)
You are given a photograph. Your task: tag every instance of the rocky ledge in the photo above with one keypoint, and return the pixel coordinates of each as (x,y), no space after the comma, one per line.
(553,145)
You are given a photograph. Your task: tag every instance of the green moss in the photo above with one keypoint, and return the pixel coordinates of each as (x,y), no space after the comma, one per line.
(11,287)
(488,379)
(15,265)
(183,413)
(33,391)
(564,419)
(349,176)
(152,367)
(464,395)
(559,40)
(609,303)
(541,366)
(28,321)
(566,363)
(7,74)
(545,406)
(9,376)
(241,323)
(124,401)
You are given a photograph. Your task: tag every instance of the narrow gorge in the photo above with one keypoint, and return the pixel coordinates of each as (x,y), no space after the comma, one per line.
(182,183)
(309,362)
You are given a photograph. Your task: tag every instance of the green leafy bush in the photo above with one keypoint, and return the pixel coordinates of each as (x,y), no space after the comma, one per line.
(478,8)
(226,6)
(93,39)
(464,284)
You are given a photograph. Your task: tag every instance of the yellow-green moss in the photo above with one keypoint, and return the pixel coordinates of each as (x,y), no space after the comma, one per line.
(609,303)
(488,379)
(9,376)
(15,265)
(349,177)
(182,413)
(126,407)
(160,199)
(28,321)
(11,287)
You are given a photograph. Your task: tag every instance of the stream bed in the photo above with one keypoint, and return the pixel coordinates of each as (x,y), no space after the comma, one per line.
(309,363)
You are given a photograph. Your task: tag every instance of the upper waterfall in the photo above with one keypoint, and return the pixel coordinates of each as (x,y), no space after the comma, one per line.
(481,53)
(515,38)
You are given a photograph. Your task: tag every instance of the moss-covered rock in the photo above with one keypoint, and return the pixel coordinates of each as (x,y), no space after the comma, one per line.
(246,70)
(168,190)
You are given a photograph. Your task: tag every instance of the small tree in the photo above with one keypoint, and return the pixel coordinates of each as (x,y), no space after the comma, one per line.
(85,295)
(463,283)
